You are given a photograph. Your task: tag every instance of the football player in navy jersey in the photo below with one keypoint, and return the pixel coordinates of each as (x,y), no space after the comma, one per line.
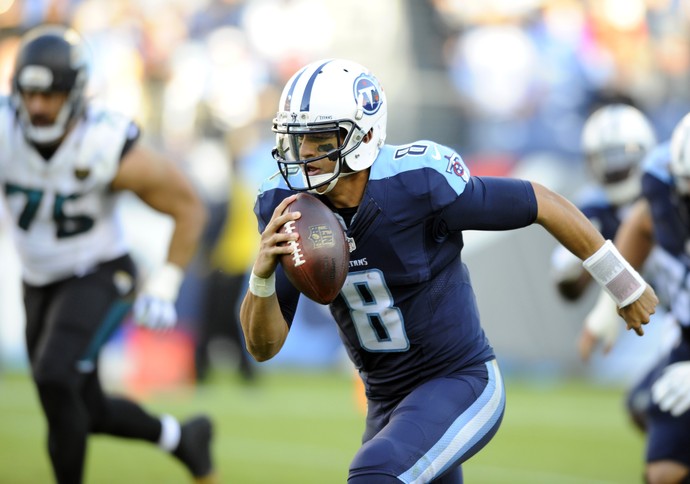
(63,164)
(660,221)
(407,314)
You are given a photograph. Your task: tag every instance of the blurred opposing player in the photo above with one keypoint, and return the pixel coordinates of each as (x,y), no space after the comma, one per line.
(660,221)
(407,314)
(62,165)
(615,140)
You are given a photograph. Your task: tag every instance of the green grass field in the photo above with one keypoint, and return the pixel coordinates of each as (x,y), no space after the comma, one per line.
(304,428)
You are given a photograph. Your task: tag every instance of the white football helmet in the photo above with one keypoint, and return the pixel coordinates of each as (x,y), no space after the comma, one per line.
(329,97)
(615,139)
(51,58)
(680,155)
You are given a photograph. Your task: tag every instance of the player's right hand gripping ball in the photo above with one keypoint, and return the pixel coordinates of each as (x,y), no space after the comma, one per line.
(318,263)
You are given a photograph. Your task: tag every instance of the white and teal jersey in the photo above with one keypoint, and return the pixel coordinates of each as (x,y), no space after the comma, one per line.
(65,213)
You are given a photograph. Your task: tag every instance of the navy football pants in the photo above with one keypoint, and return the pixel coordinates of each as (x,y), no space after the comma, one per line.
(668,437)
(427,435)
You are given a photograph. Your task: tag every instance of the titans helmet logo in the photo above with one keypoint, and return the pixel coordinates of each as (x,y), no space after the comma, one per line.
(368,88)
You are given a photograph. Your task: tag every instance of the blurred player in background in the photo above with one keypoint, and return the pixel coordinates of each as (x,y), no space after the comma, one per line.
(659,404)
(407,314)
(615,139)
(62,164)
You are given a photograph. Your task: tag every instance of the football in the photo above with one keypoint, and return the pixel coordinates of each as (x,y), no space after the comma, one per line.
(318,263)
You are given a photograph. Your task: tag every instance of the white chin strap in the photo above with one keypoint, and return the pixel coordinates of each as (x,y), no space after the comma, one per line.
(316,179)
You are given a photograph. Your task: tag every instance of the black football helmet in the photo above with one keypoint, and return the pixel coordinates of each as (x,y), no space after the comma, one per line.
(51,58)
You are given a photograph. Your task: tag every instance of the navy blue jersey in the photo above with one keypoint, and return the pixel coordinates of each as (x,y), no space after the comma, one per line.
(670,228)
(671,216)
(407,312)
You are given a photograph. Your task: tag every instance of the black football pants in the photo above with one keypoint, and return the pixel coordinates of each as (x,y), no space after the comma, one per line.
(64,325)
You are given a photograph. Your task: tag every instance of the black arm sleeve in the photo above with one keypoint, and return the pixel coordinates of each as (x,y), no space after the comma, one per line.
(489,203)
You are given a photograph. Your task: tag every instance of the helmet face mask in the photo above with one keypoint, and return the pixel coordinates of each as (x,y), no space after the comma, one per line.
(51,59)
(334,104)
(614,165)
(328,143)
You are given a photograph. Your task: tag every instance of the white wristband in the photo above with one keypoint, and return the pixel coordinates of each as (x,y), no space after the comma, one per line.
(618,278)
(165,282)
(262,287)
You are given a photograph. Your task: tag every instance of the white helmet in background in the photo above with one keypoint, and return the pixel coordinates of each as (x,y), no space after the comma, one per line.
(680,155)
(330,97)
(615,140)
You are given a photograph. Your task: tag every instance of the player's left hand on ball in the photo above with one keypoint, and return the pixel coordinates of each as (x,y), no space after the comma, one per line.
(273,243)
(672,390)
(154,307)
(154,313)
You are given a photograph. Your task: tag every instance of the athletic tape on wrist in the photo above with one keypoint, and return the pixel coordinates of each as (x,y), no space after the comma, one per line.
(618,278)
(262,287)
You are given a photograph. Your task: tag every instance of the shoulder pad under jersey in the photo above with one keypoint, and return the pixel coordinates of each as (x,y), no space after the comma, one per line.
(104,137)
(424,156)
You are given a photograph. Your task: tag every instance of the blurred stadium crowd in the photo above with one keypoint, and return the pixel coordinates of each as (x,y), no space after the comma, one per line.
(522,75)
(498,80)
